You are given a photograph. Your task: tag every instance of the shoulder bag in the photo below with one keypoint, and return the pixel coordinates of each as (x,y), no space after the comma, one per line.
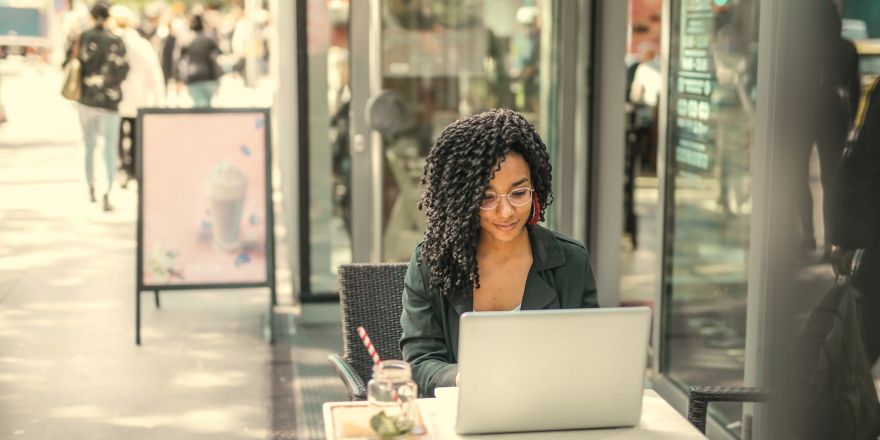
(72,86)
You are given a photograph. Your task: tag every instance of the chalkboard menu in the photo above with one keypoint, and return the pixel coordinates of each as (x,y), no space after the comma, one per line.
(692,131)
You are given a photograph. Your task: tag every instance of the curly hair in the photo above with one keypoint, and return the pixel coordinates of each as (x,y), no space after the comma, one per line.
(458,170)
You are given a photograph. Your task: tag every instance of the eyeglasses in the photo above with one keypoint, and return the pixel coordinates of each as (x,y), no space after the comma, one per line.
(517,197)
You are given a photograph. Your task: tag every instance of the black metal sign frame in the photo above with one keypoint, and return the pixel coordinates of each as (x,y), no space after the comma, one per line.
(269,230)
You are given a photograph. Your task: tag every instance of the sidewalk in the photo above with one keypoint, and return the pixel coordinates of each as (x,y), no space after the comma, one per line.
(69,367)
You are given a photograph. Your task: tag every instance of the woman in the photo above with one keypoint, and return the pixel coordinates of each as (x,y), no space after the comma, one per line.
(199,67)
(104,68)
(487,183)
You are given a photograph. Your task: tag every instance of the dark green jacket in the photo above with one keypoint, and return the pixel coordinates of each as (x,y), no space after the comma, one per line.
(560,278)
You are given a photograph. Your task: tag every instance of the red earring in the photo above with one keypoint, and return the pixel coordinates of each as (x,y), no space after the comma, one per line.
(536,210)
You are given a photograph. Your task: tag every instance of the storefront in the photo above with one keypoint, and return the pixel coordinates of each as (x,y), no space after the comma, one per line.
(760,98)
(378,80)
(383,78)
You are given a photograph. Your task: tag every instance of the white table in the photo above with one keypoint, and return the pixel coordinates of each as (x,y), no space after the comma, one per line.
(659,421)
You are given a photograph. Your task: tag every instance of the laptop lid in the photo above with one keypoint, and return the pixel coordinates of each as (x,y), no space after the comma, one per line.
(551,369)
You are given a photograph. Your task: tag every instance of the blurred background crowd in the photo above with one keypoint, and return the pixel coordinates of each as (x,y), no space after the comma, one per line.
(45,31)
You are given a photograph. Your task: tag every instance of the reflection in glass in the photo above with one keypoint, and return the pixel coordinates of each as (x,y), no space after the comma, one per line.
(451,59)
(840,166)
(328,126)
(644,86)
(858,209)
(710,121)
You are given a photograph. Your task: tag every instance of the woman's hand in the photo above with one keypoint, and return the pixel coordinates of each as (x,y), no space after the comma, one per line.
(457,379)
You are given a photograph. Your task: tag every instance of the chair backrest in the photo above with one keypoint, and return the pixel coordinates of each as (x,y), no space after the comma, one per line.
(370,295)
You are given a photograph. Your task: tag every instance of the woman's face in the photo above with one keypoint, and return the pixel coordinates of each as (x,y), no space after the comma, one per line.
(506,222)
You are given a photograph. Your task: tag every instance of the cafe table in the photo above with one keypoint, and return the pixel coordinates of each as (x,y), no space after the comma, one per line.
(350,420)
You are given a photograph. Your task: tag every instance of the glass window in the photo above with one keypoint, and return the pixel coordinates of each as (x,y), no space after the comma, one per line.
(713,60)
(644,85)
(445,60)
(329,203)
(440,61)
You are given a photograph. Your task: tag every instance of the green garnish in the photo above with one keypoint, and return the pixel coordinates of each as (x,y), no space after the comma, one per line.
(387,426)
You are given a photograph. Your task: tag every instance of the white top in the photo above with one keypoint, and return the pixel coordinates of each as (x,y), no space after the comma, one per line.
(647,83)
(144,86)
(515,309)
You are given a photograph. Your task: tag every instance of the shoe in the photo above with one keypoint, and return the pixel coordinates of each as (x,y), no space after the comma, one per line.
(107,206)
(92,195)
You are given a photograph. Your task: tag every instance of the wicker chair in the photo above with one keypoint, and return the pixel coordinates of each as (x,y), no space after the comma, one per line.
(369,296)
(699,398)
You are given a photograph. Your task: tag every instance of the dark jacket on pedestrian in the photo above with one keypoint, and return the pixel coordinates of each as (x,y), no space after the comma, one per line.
(858,214)
(560,278)
(859,178)
(104,67)
(835,395)
(168,58)
(199,60)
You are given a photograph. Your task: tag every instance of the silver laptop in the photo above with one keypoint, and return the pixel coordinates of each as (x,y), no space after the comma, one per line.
(551,369)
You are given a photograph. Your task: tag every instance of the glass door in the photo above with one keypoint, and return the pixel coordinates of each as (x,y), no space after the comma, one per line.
(325,219)
(378,81)
(416,67)
(708,195)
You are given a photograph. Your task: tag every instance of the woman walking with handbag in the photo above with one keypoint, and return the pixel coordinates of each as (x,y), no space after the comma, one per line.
(103,68)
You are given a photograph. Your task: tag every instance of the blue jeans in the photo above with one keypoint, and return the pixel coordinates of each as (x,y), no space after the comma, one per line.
(202,92)
(105,123)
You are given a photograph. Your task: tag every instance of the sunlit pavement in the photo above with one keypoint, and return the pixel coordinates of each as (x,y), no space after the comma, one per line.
(69,367)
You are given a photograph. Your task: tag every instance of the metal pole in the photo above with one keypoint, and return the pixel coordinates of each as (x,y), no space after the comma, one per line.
(251,9)
(137,317)
(272,316)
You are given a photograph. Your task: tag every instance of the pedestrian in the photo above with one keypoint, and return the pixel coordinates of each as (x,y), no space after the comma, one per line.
(104,67)
(856,239)
(169,51)
(199,67)
(143,87)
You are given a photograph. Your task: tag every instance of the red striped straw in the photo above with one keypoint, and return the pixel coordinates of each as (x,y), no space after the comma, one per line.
(365,338)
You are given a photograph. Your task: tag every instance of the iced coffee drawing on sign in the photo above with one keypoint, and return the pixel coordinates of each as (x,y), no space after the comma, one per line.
(226,191)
